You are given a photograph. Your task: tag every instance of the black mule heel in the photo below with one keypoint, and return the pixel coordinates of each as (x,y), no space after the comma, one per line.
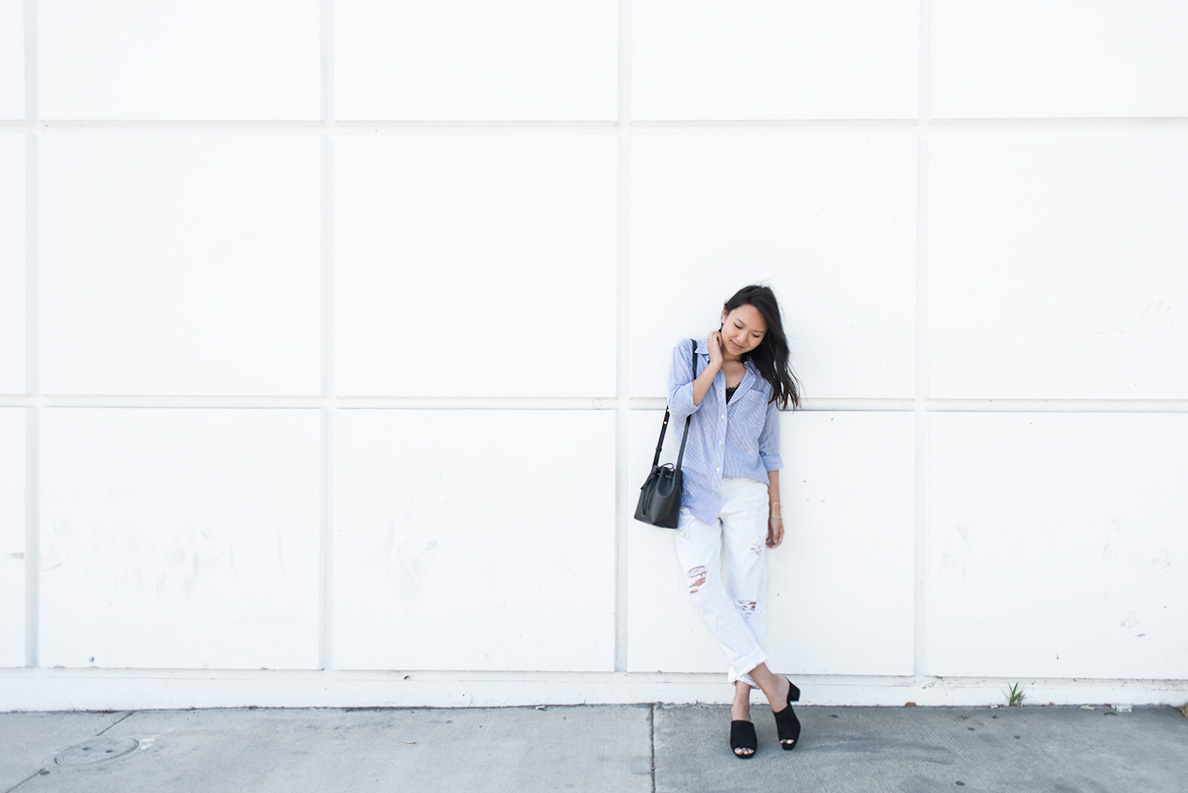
(742,736)
(787,725)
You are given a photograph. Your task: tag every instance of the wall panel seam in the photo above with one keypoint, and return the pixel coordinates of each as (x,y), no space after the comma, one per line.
(82,127)
(920,582)
(623,488)
(744,125)
(206,674)
(326,502)
(1066,124)
(32,353)
(738,126)
(811,405)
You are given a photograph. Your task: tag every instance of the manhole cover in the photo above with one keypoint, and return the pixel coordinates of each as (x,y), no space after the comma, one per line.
(97,750)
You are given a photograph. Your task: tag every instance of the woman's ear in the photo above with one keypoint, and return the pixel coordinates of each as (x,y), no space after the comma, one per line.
(723,315)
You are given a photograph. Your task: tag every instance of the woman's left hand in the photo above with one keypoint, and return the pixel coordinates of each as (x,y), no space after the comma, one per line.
(775,531)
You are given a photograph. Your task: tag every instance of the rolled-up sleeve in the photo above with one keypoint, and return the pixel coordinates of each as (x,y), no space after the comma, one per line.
(769,439)
(680,383)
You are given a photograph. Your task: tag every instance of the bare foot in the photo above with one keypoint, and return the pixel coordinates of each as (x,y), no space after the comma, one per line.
(783,689)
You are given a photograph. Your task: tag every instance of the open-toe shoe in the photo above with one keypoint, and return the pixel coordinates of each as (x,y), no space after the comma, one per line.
(742,736)
(787,725)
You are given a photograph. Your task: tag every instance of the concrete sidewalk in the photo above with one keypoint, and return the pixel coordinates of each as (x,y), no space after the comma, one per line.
(620,749)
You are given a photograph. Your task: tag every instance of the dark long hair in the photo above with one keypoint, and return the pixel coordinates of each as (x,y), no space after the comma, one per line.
(770,358)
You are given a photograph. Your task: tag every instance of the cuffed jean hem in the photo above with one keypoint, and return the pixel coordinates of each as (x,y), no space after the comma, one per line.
(741,670)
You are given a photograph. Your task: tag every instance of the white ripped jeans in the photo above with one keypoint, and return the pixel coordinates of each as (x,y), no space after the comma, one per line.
(725,571)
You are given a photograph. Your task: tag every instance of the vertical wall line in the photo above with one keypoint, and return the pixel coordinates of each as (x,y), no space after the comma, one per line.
(623,487)
(326,573)
(32,360)
(922,372)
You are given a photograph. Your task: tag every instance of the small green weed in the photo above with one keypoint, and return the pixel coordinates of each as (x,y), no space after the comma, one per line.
(1015,696)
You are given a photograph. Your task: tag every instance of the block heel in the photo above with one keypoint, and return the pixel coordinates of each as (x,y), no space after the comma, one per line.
(787,725)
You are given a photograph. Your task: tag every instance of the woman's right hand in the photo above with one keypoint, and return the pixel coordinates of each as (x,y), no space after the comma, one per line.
(703,381)
(714,342)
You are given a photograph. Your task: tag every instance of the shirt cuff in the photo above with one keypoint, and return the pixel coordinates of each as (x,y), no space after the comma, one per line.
(681,403)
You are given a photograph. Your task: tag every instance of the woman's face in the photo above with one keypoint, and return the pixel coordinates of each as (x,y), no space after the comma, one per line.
(742,329)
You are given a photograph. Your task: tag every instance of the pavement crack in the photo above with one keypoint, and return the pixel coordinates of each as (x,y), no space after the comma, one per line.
(36,773)
(652,740)
(42,771)
(127,716)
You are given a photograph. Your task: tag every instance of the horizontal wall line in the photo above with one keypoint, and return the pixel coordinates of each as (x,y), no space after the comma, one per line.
(1057,405)
(974,405)
(588,403)
(478,403)
(1062,124)
(907,124)
(513,676)
(777,125)
(359,126)
(807,405)
(264,127)
(313,402)
(476,126)
(307,126)
(161,402)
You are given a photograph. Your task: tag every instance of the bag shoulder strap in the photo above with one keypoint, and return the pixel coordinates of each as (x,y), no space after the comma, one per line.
(689,418)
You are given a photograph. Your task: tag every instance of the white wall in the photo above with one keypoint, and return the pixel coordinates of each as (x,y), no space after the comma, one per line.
(333,340)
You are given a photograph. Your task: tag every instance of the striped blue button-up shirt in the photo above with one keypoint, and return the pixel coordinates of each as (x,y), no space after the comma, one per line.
(740,438)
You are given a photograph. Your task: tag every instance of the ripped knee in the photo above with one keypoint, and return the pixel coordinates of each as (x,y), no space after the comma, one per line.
(747,607)
(696,579)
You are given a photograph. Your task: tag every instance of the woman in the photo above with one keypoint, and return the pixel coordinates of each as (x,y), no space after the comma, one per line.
(730,501)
